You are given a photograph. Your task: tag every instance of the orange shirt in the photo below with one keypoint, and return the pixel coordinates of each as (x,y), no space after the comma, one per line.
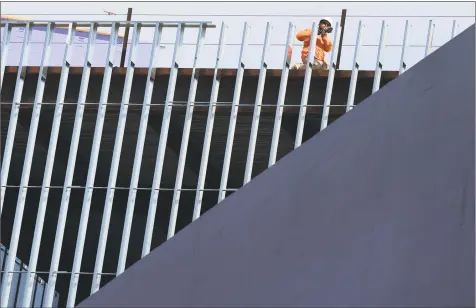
(323,44)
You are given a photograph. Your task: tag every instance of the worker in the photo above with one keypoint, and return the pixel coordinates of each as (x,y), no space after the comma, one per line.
(323,45)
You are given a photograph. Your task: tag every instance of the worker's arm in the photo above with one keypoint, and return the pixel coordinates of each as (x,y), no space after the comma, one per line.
(326,43)
(304,35)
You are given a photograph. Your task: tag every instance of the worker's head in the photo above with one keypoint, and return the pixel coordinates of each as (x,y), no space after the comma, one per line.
(325,23)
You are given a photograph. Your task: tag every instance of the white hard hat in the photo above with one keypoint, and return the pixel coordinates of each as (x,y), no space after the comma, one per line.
(328,19)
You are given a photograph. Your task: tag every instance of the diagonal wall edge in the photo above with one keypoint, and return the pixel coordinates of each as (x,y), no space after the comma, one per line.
(376,210)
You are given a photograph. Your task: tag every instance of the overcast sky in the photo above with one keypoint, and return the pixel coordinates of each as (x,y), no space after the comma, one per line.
(302,14)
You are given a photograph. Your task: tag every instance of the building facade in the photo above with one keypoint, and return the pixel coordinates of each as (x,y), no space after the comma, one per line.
(102,163)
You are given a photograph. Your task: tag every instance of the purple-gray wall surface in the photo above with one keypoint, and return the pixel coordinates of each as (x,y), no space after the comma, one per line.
(376,210)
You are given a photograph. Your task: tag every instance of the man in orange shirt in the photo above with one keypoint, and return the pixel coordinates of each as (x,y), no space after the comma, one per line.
(323,44)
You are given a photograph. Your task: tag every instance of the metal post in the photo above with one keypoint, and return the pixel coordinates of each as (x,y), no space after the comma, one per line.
(342,22)
(330,82)
(12,124)
(355,70)
(183,150)
(160,155)
(281,96)
(209,129)
(25,177)
(453,30)
(305,88)
(6,39)
(429,38)
(137,160)
(126,38)
(403,59)
(233,115)
(88,192)
(154,196)
(379,65)
(50,287)
(257,109)
(15,283)
(40,218)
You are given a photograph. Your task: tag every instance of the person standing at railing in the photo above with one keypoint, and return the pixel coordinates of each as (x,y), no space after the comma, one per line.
(323,45)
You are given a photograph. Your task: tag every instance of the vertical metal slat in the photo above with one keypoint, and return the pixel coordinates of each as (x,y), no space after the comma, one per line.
(257,109)
(2,258)
(15,284)
(137,162)
(160,154)
(403,58)
(164,131)
(56,300)
(7,32)
(183,149)
(209,128)
(21,290)
(4,255)
(330,78)
(50,286)
(454,28)
(355,69)
(281,96)
(25,177)
(379,65)
(83,222)
(42,295)
(12,124)
(233,115)
(305,88)
(429,37)
(35,289)
(31,276)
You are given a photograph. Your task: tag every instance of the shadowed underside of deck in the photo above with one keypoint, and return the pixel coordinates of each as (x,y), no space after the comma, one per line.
(214,170)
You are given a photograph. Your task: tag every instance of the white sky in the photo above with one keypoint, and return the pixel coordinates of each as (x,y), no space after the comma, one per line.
(302,14)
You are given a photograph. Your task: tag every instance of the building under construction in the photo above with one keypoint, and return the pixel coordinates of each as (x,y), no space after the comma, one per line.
(102,163)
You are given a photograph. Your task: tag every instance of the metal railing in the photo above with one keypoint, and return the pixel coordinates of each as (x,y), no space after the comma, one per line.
(49,293)
(155,188)
(414,45)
